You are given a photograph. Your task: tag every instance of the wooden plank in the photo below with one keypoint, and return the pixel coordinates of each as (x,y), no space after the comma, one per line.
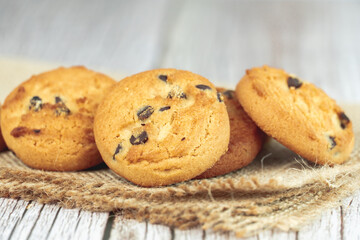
(119,34)
(27,222)
(350,213)
(11,211)
(39,219)
(277,235)
(128,229)
(65,224)
(327,227)
(91,225)
(316,41)
(211,235)
(44,222)
(158,232)
(190,234)
(267,234)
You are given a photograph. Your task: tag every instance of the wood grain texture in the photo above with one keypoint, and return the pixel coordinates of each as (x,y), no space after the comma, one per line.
(317,40)
(91,225)
(219,39)
(350,216)
(27,223)
(78,224)
(44,222)
(189,234)
(128,229)
(155,231)
(120,35)
(11,212)
(327,227)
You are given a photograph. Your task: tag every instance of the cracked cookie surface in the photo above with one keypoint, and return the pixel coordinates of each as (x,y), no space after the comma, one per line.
(297,114)
(246,139)
(161,127)
(47,121)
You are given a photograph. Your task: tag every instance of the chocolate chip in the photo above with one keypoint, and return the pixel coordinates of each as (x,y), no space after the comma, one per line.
(64,110)
(183,95)
(36,131)
(140,139)
(163,78)
(179,95)
(219,97)
(58,99)
(35,103)
(143,124)
(145,112)
(344,120)
(229,94)
(294,82)
(118,149)
(61,107)
(203,87)
(332,142)
(164,108)
(183,139)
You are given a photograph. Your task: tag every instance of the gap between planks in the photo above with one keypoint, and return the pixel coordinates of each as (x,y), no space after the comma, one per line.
(29,220)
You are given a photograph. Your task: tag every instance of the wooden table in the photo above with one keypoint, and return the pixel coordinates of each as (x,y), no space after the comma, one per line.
(318,40)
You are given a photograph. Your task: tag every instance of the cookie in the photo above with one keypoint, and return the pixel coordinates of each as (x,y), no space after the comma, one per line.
(297,114)
(2,142)
(161,127)
(47,121)
(246,139)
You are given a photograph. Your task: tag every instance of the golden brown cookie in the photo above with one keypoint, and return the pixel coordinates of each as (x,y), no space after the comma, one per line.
(47,121)
(2,142)
(161,127)
(297,114)
(246,139)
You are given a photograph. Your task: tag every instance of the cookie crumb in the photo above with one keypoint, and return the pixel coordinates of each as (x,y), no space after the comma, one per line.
(176,92)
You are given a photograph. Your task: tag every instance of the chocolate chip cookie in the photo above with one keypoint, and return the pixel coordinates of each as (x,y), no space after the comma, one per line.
(297,114)
(161,127)
(246,139)
(47,121)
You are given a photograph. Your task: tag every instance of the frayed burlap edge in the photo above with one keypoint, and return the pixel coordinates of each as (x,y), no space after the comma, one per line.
(243,212)
(278,190)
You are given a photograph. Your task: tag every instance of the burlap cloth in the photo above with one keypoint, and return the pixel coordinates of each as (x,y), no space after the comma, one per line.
(278,190)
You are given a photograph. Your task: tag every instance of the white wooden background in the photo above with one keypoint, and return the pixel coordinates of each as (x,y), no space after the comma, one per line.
(219,39)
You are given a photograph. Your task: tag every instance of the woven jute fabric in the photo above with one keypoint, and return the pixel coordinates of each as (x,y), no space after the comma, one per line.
(278,190)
